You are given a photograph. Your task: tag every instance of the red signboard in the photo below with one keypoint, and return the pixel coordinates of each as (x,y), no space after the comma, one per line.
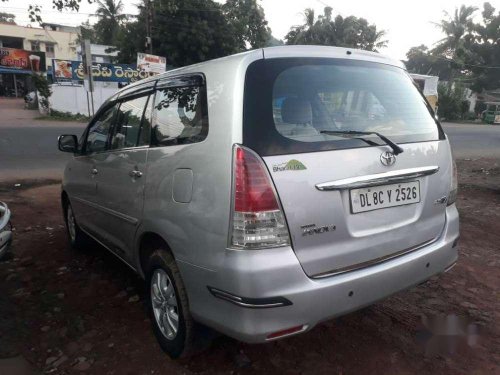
(22,59)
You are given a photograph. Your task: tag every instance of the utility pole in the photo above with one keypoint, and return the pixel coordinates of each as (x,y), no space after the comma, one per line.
(149,25)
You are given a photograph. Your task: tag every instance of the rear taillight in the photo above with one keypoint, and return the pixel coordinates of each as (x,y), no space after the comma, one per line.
(257,218)
(452,196)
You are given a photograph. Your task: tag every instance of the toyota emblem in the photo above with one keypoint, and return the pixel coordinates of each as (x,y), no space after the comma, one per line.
(387,158)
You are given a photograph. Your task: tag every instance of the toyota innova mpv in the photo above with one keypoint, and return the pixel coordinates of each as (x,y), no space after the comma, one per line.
(263,193)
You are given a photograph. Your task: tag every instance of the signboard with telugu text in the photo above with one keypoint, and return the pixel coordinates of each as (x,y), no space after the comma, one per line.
(109,72)
(67,70)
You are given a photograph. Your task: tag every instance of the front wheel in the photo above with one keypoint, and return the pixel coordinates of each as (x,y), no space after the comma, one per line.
(168,305)
(77,238)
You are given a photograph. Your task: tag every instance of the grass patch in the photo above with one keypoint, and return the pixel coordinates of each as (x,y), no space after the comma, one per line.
(64,116)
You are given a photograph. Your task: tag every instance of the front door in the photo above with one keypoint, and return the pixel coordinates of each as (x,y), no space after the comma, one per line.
(82,174)
(122,176)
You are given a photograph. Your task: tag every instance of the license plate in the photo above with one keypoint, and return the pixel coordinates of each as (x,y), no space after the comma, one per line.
(376,197)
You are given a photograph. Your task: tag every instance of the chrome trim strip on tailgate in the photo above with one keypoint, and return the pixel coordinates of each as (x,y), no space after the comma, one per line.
(378,179)
(372,262)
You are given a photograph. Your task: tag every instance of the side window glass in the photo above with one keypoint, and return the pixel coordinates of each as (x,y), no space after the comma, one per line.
(99,131)
(127,130)
(180,115)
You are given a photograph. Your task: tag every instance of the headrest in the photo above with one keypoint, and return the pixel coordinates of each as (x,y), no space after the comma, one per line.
(296,111)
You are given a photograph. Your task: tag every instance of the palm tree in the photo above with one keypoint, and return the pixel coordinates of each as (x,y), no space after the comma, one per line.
(455,28)
(453,45)
(343,32)
(110,17)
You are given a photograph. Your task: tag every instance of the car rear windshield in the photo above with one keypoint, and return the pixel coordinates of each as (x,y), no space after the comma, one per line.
(291,104)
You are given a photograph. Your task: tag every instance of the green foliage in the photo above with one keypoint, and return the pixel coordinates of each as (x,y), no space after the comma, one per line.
(249,24)
(87,32)
(341,32)
(191,31)
(455,28)
(452,104)
(480,107)
(7,18)
(109,13)
(469,52)
(35,10)
(421,61)
(273,42)
(65,116)
(43,89)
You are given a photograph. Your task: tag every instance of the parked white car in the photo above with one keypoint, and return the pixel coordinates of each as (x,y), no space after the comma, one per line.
(260,194)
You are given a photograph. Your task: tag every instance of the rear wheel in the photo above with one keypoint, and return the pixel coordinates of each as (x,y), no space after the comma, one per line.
(77,238)
(168,305)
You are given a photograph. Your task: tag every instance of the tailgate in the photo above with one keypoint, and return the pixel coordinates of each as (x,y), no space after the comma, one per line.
(333,233)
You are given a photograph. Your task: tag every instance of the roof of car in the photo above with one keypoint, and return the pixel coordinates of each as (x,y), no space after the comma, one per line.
(280,52)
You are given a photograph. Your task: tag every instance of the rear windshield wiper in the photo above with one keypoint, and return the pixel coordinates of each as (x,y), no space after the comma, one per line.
(395,148)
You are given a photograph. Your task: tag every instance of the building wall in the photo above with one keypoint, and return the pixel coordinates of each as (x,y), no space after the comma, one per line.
(64,42)
(73,99)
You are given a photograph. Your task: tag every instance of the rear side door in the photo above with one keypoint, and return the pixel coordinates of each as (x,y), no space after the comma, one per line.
(122,174)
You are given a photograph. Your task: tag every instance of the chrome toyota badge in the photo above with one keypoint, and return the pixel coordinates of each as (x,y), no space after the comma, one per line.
(387,158)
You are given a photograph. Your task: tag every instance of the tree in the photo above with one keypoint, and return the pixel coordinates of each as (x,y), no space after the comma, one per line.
(248,21)
(456,28)
(273,42)
(87,32)
(7,18)
(191,31)
(469,53)
(342,32)
(420,60)
(452,103)
(485,51)
(34,10)
(111,18)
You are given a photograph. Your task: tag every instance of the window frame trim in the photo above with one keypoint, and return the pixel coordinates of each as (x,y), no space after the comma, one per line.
(120,101)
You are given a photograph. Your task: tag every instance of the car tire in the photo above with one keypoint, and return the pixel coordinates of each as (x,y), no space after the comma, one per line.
(77,239)
(168,305)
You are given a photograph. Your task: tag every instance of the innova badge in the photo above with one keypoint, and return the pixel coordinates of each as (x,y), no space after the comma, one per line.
(387,158)
(292,165)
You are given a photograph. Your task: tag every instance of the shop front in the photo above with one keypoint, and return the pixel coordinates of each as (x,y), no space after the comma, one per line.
(16,68)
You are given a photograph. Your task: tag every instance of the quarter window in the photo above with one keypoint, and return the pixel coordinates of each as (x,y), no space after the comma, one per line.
(130,129)
(180,115)
(98,132)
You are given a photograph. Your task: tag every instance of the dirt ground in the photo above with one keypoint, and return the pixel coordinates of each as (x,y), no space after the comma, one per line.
(68,312)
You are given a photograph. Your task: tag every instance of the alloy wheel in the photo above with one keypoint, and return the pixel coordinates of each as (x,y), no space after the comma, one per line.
(164,304)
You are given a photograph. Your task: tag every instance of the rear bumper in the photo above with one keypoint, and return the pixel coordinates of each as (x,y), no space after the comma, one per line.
(277,273)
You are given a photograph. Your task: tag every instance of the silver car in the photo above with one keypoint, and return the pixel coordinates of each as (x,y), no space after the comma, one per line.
(263,193)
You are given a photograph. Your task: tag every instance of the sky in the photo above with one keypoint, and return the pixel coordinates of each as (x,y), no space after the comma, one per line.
(407,23)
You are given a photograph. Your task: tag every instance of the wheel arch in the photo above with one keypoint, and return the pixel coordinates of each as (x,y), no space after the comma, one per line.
(147,243)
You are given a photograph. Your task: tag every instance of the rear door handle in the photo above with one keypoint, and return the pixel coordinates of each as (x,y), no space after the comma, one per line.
(135,173)
(94,171)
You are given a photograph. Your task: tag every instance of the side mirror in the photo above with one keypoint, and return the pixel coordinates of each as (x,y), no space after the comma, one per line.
(67,143)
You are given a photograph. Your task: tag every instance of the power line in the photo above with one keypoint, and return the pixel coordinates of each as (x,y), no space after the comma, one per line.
(466,64)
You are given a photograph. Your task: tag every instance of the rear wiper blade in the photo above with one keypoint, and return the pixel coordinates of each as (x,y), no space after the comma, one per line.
(395,148)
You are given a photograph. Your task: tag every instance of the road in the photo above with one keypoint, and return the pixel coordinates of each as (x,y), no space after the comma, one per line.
(28,147)
(474,141)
